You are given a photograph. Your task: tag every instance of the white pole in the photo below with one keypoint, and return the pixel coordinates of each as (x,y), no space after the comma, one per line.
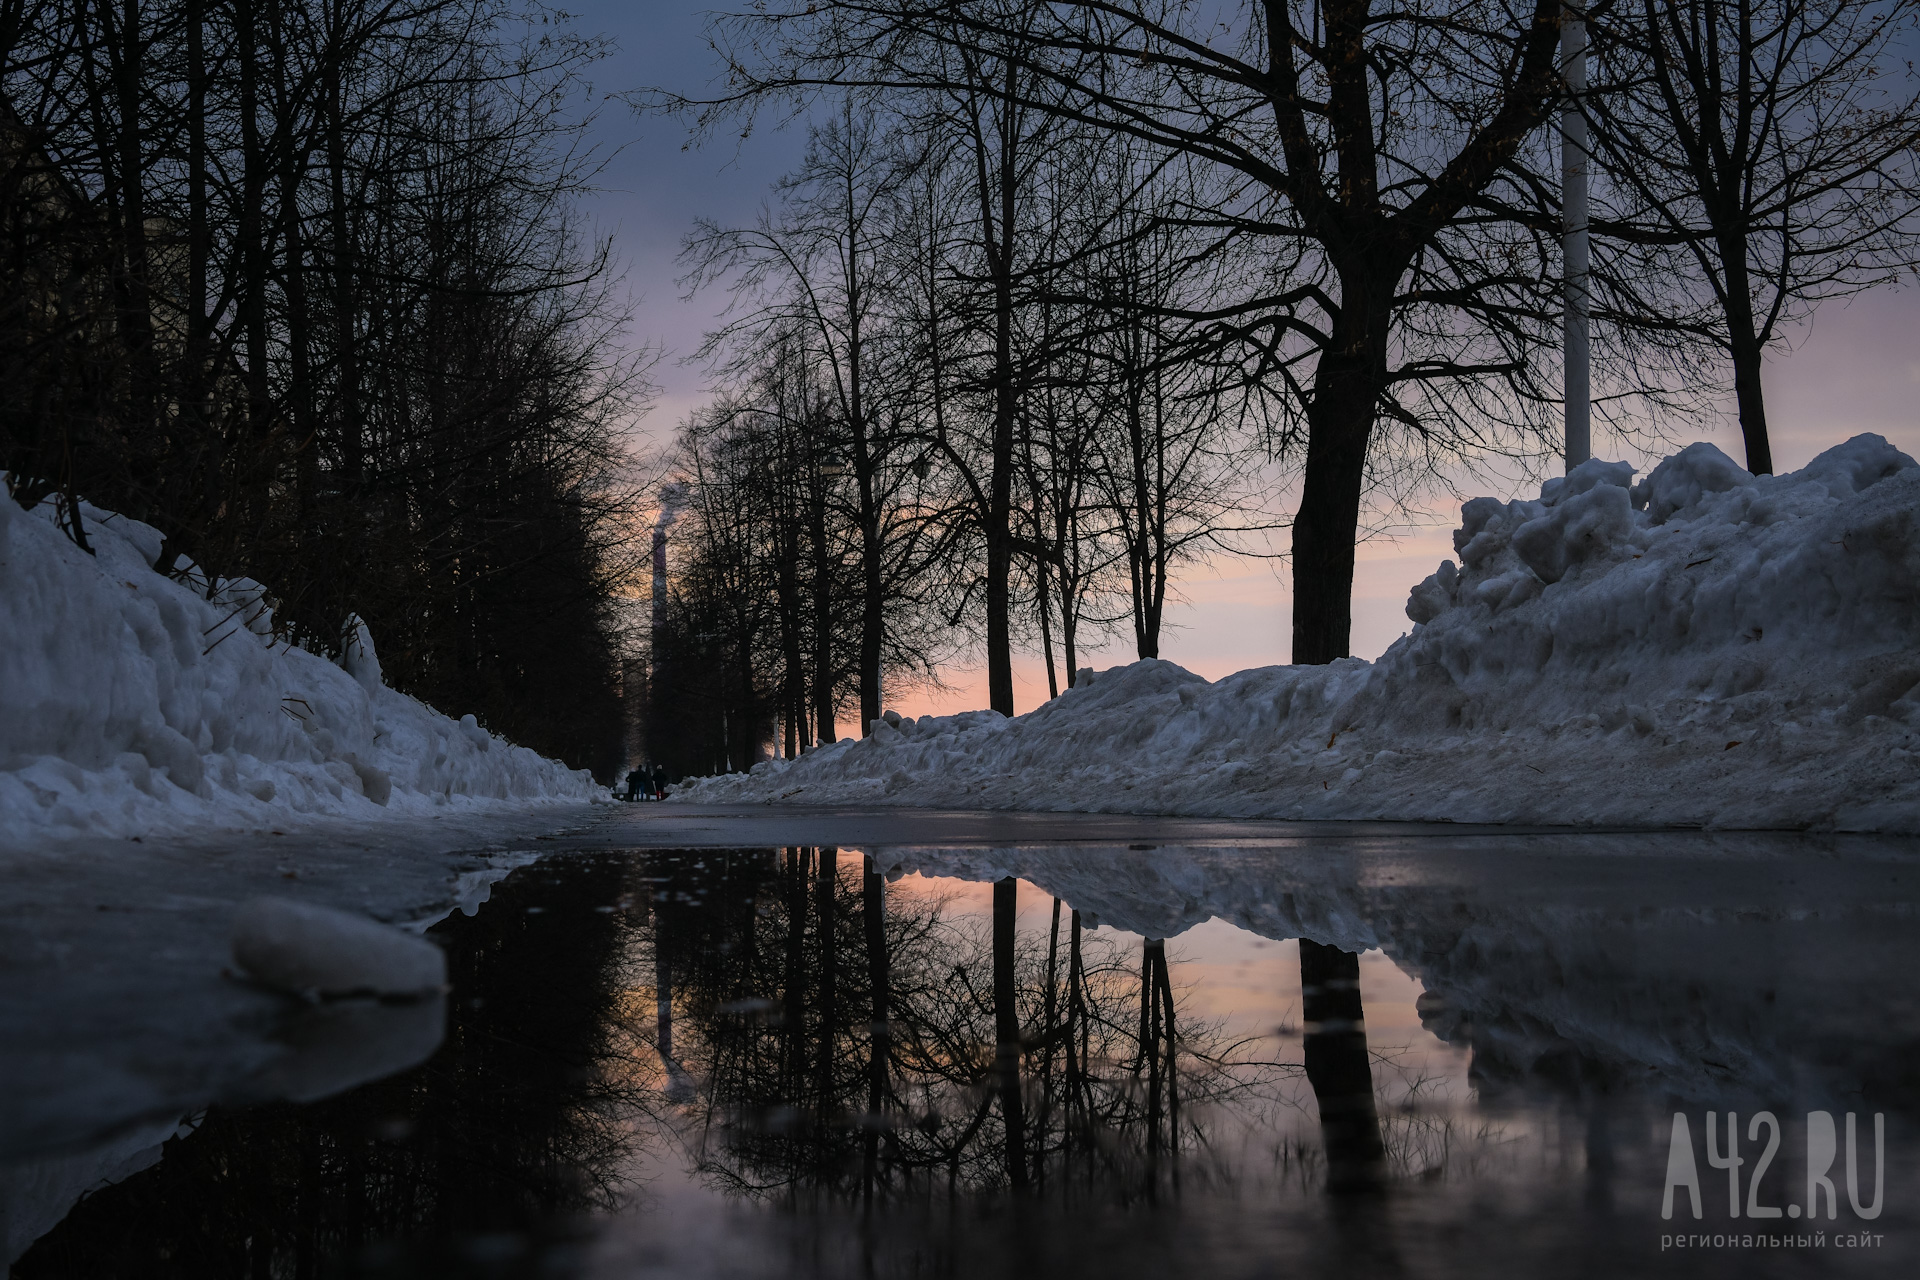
(1573,199)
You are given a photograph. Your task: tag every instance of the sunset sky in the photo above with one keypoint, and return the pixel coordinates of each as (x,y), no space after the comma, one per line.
(1857,368)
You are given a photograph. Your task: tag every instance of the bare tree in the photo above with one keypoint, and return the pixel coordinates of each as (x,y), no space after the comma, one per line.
(1772,140)
(321,313)
(1361,146)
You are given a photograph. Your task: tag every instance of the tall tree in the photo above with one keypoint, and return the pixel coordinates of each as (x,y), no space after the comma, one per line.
(1775,142)
(1362,145)
(318,309)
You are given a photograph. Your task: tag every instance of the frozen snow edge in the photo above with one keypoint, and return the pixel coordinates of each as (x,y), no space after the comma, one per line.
(1703,649)
(141,703)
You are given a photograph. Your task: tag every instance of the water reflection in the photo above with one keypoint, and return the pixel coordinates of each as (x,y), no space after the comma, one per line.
(830,1061)
(857,1044)
(1338,1067)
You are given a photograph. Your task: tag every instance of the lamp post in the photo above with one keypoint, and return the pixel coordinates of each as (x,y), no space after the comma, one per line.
(1573,207)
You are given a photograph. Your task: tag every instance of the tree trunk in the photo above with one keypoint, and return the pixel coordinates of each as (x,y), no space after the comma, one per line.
(299,337)
(197,240)
(996,227)
(747,721)
(1046,632)
(1748,351)
(872,611)
(136,298)
(346,375)
(1069,630)
(822,620)
(999,593)
(1346,390)
(254,250)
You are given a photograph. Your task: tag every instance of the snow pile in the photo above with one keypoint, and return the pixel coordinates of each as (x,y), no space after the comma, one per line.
(133,703)
(1702,648)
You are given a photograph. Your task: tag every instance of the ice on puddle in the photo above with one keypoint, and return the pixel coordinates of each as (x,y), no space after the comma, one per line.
(318,951)
(1704,647)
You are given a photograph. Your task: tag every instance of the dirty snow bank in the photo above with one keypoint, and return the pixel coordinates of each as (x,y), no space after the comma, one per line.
(134,703)
(1703,647)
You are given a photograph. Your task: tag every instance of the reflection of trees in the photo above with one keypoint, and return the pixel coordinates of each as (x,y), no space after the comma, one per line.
(1339,1067)
(855,1042)
(508,1128)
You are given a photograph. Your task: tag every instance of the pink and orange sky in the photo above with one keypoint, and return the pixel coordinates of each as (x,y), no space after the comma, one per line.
(1855,369)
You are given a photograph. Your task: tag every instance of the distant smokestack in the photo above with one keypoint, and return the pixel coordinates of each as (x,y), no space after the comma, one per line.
(672,498)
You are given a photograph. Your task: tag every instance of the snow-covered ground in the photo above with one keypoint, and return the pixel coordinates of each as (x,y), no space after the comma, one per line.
(135,703)
(1702,648)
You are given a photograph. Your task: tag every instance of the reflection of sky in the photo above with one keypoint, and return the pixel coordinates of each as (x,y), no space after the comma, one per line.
(1853,371)
(1255,1125)
(1249,986)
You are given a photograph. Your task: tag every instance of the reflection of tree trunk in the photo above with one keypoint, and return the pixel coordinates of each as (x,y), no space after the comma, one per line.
(1078,1034)
(873,906)
(828,880)
(1152,960)
(1050,1020)
(1338,1068)
(662,983)
(793,1020)
(662,995)
(1600,1159)
(1157,1041)
(1006,1018)
(1165,982)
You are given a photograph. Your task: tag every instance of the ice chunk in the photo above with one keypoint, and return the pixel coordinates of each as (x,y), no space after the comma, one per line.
(1685,478)
(316,951)
(1586,476)
(1429,599)
(471,730)
(1583,527)
(167,748)
(1861,462)
(357,656)
(345,1043)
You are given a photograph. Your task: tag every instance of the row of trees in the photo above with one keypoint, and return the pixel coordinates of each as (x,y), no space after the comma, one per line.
(1066,292)
(300,284)
(926,432)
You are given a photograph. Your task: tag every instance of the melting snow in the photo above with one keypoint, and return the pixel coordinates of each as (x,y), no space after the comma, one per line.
(1704,647)
(133,702)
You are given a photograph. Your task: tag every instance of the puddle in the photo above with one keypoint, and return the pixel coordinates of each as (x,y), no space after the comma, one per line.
(1216,1062)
